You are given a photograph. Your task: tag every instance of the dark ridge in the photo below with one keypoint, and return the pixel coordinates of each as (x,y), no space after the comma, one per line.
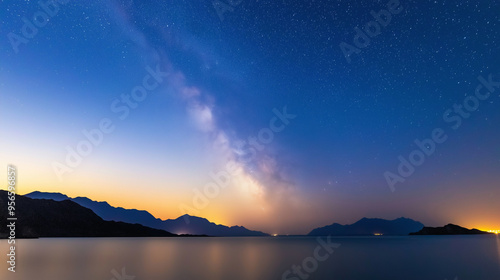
(50,218)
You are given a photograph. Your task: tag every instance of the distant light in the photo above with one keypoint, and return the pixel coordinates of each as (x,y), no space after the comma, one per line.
(495,231)
(378,234)
(275,234)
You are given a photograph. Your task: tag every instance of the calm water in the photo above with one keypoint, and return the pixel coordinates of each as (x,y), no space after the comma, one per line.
(455,257)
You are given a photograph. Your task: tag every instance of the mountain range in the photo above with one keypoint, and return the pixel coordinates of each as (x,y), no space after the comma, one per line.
(50,218)
(47,214)
(366,226)
(185,224)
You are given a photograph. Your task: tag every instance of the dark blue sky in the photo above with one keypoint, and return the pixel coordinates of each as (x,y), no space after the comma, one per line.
(353,116)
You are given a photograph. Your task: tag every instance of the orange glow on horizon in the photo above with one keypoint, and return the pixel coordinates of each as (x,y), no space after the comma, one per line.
(234,205)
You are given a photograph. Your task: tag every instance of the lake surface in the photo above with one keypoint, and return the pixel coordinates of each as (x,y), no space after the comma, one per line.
(419,257)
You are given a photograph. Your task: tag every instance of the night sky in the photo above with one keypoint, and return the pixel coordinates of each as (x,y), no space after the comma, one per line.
(313,115)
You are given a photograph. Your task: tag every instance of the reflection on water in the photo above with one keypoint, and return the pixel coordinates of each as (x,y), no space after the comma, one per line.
(498,249)
(416,257)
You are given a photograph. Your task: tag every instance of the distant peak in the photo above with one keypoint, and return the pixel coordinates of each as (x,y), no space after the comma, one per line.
(82,197)
(39,192)
(35,192)
(47,195)
(191,217)
(187,215)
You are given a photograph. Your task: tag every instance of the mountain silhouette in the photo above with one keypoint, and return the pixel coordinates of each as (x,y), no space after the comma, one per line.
(449,229)
(196,225)
(50,218)
(47,195)
(367,226)
(185,224)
